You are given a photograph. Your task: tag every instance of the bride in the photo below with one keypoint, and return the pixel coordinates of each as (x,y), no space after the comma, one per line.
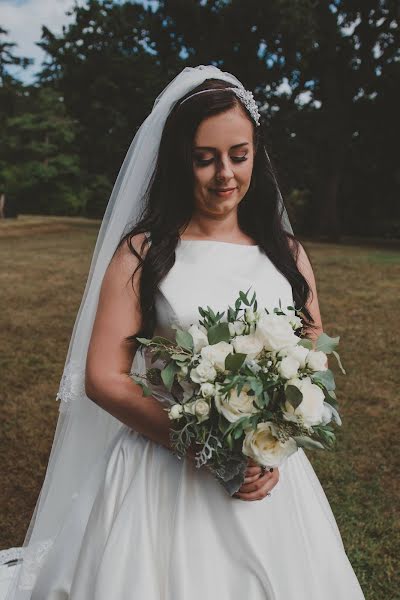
(195,216)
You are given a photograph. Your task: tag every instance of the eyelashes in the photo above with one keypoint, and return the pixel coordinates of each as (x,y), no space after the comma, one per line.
(204,162)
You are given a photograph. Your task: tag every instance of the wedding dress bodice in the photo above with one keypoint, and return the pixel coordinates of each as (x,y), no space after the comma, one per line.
(211,273)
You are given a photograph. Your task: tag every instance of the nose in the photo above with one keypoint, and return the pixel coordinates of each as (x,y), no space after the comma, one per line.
(224,169)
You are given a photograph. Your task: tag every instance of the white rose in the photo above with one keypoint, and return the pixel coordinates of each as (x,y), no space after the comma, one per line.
(264,447)
(288,367)
(311,408)
(248,344)
(175,411)
(201,410)
(250,315)
(275,332)
(236,406)
(207,390)
(216,354)
(204,371)
(299,353)
(199,336)
(236,328)
(294,320)
(316,360)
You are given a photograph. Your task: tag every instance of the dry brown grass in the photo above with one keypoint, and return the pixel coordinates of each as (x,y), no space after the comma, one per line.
(45,261)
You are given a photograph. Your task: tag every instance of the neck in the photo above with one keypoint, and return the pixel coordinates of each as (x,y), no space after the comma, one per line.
(208,227)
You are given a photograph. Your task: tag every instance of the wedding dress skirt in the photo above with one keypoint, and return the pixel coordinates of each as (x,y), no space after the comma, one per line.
(149,526)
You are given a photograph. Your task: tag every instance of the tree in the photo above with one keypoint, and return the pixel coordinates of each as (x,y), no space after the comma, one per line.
(41,169)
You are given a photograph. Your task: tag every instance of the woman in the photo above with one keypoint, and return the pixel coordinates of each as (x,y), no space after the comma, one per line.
(141,523)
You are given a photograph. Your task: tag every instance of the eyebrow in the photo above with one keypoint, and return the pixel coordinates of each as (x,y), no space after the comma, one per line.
(211,148)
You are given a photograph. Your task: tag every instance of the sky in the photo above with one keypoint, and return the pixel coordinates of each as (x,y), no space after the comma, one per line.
(24,19)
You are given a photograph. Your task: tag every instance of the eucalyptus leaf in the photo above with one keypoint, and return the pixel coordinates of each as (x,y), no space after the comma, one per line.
(218,333)
(325,377)
(326,344)
(146,390)
(143,341)
(158,339)
(233,362)
(237,433)
(184,339)
(293,395)
(306,343)
(168,375)
(306,442)
(339,361)
(329,398)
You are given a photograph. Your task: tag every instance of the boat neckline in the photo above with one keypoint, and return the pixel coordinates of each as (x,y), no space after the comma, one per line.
(221,242)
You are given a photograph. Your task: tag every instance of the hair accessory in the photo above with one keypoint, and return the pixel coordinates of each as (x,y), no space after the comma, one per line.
(244,95)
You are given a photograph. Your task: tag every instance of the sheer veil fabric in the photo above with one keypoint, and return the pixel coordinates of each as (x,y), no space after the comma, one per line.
(84,431)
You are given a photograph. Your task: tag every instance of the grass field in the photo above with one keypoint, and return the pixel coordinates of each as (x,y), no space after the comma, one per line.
(44,265)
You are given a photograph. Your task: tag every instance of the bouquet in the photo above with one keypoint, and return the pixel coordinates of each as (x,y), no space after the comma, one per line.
(247,386)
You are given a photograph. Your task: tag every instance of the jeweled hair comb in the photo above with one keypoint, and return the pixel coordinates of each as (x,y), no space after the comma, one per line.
(244,95)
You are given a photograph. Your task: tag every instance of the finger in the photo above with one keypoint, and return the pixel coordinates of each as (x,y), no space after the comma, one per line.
(251,479)
(250,471)
(256,484)
(258,494)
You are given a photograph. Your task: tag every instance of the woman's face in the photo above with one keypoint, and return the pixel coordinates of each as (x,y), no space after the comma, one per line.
(223,157)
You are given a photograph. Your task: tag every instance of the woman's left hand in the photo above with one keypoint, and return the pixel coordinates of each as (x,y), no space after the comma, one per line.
(256,485)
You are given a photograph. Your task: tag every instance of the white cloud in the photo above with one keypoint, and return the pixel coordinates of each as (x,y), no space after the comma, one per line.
(24,19)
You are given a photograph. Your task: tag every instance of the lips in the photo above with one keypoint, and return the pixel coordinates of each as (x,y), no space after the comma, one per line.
(223,189)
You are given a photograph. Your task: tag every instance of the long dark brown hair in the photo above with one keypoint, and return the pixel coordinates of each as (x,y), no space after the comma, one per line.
(169,204)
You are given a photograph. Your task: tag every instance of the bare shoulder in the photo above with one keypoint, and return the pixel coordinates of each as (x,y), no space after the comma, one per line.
(125,258)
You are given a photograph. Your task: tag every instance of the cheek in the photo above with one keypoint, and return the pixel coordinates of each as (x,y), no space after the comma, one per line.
(201,177)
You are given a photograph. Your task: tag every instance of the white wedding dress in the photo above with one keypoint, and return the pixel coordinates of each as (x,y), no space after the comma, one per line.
(149,526)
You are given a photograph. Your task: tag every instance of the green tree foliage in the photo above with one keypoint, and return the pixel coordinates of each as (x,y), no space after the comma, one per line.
(338,58)
(104,66)
(326,76)
(40,166)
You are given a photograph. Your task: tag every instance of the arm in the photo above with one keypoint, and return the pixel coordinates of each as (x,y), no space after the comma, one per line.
(110,357)
(305,268)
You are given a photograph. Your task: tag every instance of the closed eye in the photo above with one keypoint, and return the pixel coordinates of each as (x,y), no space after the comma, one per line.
(204,162)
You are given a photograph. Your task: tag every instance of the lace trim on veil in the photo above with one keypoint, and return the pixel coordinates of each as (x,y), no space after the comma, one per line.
(72,385)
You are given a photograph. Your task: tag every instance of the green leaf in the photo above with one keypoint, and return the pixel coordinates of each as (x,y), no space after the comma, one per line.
(223,424)
(184,339)
(168,375)
(306,343)
(306,442)
(330,399)
(339,361)
(146,390)
(256,385)
(218,333)
(143,341)
(293,395)
(233,362)
(326,344)
(229,440)
(325,377)
(158,339)
(243,298)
